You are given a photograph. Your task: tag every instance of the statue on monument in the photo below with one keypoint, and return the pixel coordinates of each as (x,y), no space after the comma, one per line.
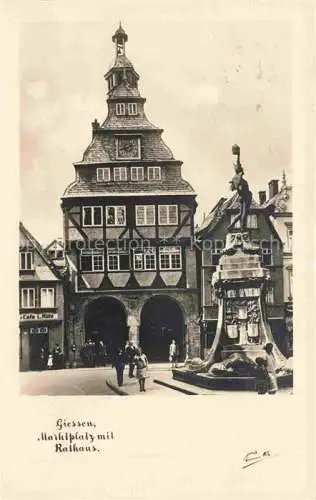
(239,184)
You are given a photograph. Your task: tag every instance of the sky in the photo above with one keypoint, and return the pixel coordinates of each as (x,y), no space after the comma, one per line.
(210,81)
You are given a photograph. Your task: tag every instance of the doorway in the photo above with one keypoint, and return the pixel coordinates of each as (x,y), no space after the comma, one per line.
(161,322)
(105,324)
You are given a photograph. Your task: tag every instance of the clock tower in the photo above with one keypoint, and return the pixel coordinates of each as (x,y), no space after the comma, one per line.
(129,231)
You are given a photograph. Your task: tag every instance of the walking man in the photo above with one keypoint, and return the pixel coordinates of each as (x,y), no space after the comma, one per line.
(119,364)
(130,351)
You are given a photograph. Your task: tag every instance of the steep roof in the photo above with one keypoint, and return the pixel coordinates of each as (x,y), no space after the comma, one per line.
(102,150)
(47,273)
(168,187)
(220,209)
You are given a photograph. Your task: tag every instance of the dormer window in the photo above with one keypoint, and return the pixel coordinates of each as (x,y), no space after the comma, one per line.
(26,261)
(120,108)
(103,175)
(154,173)
(132,108)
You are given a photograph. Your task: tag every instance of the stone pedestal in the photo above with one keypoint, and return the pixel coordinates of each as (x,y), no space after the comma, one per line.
(241,282)
(242,329)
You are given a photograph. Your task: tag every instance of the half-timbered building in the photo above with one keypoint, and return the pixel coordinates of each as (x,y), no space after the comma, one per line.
(128,228)
(41,303)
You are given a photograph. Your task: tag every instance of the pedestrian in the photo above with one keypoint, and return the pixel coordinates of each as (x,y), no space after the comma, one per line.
(141,362)
(50,361)
(119,364)
(262,376)
(173,353)
(130,351)
(271,368)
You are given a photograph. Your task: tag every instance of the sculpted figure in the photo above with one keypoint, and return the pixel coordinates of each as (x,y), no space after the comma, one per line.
(239,184)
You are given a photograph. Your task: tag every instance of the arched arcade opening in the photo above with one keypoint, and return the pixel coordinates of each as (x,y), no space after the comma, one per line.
(161,321)
(105,320)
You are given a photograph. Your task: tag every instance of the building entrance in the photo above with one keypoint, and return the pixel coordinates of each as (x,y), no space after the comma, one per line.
(161,321)
(38,345)
(105,324)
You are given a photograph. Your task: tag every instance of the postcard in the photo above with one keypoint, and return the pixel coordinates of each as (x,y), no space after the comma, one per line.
(158,268)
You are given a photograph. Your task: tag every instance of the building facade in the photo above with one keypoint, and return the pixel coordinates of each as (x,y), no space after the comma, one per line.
(41,299)
(128,230)
(211,240)
(281,198)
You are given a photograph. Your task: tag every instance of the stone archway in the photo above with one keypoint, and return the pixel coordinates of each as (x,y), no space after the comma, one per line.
(161,321)
(106,320)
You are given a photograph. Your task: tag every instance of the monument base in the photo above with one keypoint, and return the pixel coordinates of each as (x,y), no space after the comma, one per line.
(225,383)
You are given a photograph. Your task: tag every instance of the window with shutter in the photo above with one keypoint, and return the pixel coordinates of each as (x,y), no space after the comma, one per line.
(120,108)
(103,174)
(145,215)
(92,216)
(168,214)
(137,173)
(154,173)
(47,298)
(28,298)
(120,173)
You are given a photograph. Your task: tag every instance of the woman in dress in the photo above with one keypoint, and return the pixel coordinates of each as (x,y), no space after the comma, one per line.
(141,362)
(271,368)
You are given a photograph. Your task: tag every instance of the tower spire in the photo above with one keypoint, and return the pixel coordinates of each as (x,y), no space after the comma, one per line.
(120,38)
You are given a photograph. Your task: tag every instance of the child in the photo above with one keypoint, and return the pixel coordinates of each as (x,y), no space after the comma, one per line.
(50,361)
(262,377)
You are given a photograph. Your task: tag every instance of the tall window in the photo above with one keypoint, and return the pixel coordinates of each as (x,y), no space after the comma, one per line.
(92,260)
(92,216)
(47,297)
(145,215)
(116,216)
(137,173)
(168,215)
(154,173)
(289,238)
(120,108)
(170,258)
(118,260)
(290,283)
(27,298)
(103,175)
(145,259)
(120,174)
(132,108)
(26,261)
(270,295)
(266,253)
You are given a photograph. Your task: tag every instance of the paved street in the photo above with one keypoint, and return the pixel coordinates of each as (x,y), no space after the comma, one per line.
(88,381)
(102,381)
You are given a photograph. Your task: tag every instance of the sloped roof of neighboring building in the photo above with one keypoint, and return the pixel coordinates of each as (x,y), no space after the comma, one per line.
(130,188)
(48,273)
(219,210)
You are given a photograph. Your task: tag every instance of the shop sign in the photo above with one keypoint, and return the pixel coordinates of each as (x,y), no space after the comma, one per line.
(42,329)
(38,316)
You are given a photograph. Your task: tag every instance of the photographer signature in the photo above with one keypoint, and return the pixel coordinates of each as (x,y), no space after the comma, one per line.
(255,456)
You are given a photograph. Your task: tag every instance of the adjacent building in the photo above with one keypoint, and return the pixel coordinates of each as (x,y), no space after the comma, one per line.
(41,303)
(281,198)
(128,230)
